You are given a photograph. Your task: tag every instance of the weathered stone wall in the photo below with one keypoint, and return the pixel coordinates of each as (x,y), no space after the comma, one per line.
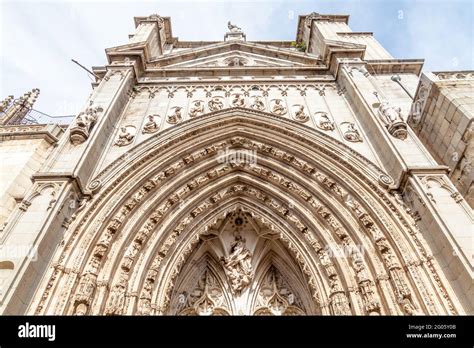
(23,151)
(443,114)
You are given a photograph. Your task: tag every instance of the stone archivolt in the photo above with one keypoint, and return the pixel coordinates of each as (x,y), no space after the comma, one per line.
(126,253)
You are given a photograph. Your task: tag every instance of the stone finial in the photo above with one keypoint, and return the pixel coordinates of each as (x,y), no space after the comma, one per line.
(28,99)
(20,107)
(5,104)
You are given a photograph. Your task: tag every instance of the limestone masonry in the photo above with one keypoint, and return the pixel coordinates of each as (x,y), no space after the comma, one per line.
(237,177)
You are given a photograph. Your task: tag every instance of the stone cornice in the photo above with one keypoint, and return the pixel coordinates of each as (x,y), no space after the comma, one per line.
(68,177)
(319,77)
(389,66)
(251,47)
(454,75)
(411,171)
(49,132)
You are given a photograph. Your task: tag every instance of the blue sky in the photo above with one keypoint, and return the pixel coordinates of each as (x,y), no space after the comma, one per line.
(39,38)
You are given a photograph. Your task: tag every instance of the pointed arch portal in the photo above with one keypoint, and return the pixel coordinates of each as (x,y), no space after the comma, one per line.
(242,212)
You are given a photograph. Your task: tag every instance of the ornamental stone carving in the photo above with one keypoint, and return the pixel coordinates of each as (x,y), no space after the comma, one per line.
(391,116)
(207,298)
(323,121)
(5,104)
(238,266)
(216,104)
(275,297)
(158,18)
(238,100)
(175,116)
(278,108)
(83,124)
(197,108)
(125,136)
(85,291)
(116,300)
(300,114)
(157,235)
(350,132)
(257,104)
(152,124)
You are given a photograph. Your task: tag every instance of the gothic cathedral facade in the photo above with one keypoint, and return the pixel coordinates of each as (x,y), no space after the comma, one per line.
(235,177)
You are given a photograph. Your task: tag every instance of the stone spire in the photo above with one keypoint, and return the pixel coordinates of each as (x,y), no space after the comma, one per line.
(20,107)
(5,104)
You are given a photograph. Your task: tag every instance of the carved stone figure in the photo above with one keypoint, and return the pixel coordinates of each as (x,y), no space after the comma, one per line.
(176,116)
(125,136)
(278,108)
(197,109)
(300,114)
(86,288)
(327,263)
(215,104)
(117,297)
(408,307)
(351,133)
(238,100)
(238,265)
(391,116)
(369,297)
(340,304)
(323,122)
(362,274)
(235,61)
(233,28)
(81,309)
(144,306)
(335,285)
(257,104)
(83,125)
(390,259)
(390,113)
(150,126)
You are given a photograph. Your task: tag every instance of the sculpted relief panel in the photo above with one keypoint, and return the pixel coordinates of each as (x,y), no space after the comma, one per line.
(239,282)
(238,265)
(154,108)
